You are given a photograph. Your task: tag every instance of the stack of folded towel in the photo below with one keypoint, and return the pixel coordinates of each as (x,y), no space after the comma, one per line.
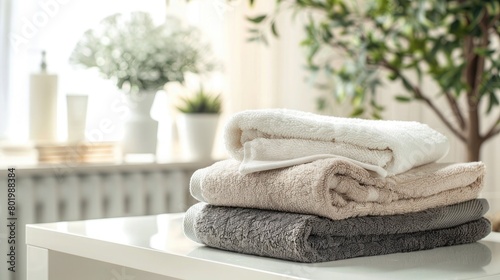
(312,188)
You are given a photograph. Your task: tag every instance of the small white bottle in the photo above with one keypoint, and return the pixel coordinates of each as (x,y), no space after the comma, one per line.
(43,105)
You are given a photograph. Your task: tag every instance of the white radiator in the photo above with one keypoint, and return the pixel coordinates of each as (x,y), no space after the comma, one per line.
(92,193)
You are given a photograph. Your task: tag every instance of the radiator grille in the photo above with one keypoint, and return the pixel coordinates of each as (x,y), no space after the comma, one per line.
(52,196)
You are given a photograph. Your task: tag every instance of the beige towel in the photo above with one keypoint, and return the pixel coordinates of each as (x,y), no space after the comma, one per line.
(338,189)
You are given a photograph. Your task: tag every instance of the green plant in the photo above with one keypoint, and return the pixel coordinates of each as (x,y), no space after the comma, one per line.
(453,43)
(140,55)
(201,103)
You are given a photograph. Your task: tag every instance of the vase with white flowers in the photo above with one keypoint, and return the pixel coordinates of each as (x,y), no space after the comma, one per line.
(141,57)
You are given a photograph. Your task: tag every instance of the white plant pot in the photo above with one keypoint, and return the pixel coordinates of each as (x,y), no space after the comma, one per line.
(197,134)
(141,131)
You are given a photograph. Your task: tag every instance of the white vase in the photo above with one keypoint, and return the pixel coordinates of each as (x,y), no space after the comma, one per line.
(77,115)
(197,134)
(141,131)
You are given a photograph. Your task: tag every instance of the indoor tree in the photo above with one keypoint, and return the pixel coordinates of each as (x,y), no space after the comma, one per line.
(454,43)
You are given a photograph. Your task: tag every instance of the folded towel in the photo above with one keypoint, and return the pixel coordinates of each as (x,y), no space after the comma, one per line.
(275,138)
(433,218)
(308,238)
(338,189)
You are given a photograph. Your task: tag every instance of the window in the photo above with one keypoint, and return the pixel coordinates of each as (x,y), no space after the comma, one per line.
(54,26)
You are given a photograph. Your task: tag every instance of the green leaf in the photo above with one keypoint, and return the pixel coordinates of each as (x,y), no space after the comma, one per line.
(392,76)
(253,39)
(307,42)
(483,51)
(492,102)
(274,30)
(312,52)
(201,103)
(402,98)
(312,67)
(407,84)
(257,19)
(357,112)
(357,100)
(455,25)
(376,115)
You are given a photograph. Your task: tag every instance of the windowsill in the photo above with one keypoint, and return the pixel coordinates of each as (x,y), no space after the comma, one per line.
(85,168)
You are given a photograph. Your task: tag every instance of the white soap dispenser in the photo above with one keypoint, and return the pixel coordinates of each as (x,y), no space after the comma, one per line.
(43,105)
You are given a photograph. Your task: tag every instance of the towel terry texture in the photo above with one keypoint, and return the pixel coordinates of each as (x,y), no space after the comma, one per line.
(338,189)
(274,138)
(433,218)
(309,238)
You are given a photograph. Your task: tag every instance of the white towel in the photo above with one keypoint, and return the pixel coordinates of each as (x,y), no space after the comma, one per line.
(275,138)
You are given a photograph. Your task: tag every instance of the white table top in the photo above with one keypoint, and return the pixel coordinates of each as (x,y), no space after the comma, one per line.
(157,244)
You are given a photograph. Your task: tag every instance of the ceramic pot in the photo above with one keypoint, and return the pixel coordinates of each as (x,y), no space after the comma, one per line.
(197,134)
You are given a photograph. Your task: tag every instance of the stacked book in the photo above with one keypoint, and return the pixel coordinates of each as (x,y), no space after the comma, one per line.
(98,152)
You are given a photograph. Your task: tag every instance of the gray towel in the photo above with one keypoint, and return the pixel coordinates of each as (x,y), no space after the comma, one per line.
(433,218)
(309,238)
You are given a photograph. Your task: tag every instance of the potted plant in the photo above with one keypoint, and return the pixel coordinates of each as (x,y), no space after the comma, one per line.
(141,57)
(197,124)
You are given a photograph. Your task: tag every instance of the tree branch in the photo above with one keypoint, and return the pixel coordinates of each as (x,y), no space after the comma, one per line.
(494,130)
(456,109)
(419,95)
